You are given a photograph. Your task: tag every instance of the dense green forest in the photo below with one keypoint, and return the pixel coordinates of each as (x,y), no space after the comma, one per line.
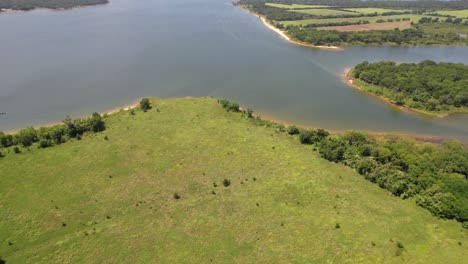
(426,85)
(53,4)
(435,176)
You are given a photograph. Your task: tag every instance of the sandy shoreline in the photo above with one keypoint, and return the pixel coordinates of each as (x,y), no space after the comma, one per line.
(283,35)
(295,42)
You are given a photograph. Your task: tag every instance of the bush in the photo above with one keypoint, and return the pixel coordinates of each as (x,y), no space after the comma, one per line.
(26,137)
(305,136)
(44,143)
(229,106)
(333,149)
(226,182)
(293,130)
(176,196)
(145,104)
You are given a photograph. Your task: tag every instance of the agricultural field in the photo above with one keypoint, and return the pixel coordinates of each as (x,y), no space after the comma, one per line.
(188,182)
(413,18)
(456,13)
(371,10)
(373,26)
(324,12)
(295,6)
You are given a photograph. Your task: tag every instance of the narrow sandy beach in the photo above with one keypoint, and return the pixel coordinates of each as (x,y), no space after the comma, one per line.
(298,43)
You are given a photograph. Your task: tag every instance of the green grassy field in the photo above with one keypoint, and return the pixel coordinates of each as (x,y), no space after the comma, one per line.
(370,10)
(413,18)
(457,13)
(112,201)
(294,6)
(443,28)
(324,12)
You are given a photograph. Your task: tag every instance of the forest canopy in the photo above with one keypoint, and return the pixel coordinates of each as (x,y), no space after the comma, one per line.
(426,85)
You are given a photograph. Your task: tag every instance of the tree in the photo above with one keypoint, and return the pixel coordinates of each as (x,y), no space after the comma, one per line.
(145,104)
(293,130)
(26,137)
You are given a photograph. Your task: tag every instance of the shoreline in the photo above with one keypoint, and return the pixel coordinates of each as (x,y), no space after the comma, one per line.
(374,133)
(103,113)
(13,11)
(265,116)
(283,35)
(295,42)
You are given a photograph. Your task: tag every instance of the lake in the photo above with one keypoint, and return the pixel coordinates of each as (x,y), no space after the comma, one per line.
(75,62)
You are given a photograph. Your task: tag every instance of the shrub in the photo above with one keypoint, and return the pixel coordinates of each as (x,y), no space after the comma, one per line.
(337,226)
(229,106)
(44,143)
(305,136)
(293,130)
(176,196)
(249,113)
(145,104)
(132,111)
(16,150)
(226,182)
(26,137)
(333,149)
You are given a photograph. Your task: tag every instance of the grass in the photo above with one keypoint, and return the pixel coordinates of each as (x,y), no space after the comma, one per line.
(371,10)
(304,22)
(324,12)
(295,6)
(444,28)
(114,201)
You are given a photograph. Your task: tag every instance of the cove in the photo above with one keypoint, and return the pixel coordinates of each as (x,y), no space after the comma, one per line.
(79,61)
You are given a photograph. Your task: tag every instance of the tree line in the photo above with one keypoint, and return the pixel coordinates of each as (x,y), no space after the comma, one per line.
(422,5)
(53,4)
(434,176)
(426,85)
(411,36)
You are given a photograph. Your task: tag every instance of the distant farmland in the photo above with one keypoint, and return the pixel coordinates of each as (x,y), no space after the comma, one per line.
(375,26)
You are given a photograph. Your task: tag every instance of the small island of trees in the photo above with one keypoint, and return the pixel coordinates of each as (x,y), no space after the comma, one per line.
(429,87)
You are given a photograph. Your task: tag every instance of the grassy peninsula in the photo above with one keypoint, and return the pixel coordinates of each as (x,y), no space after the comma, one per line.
(338,23)
(431,88)
(25,5)
(187,181)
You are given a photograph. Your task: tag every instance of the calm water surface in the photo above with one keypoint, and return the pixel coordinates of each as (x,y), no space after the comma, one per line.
(54,63)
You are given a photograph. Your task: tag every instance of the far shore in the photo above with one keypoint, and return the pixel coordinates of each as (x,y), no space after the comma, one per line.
(283,35)
(350,81)
(10,11)
(295,42)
